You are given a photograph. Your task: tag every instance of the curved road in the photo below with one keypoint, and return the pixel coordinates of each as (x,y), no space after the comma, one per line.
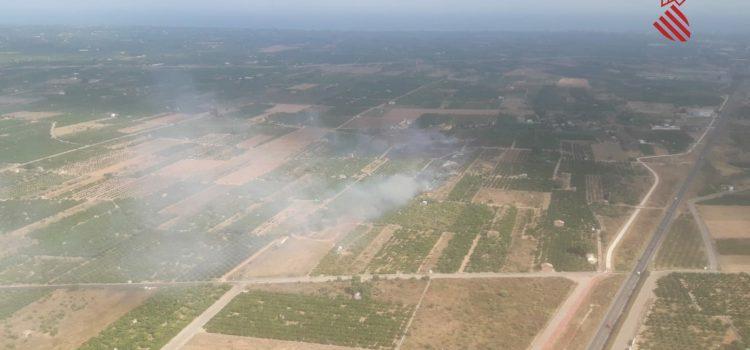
(628,289)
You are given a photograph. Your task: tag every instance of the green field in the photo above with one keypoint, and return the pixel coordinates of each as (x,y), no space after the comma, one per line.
(474,220)
(566,247)
(492,248)
(12,300)
(339,320)
(699,311)
(404,252)
(158,320)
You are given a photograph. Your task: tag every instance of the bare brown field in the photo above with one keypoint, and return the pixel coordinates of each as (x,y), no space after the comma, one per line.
(191,205)
(295,257)
(67,318)
(734,263)
(302,87)
(726,221)
(516,105)
(665,110)
(532,75)
(396,116)
(522,199)
(263,159)
(671,174)
(586,320)
(78,127)
(609,151)
(32,116)
(636,238)
(211,341)
(286,108)
(573,83)
(485,313)
(278,48)
(356,69)
(336,231)
(153,123)
(190,168)
(254,141)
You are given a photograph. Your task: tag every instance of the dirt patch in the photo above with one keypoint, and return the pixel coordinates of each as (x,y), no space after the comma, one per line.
(278,48)
(302,87)
(153,123)
(405,116)
(67,318)
(482,313)
(78,127)
(357,69)
(609,151)
(211,341)
(32,116)
(294,257)
(190,168)
(287,108)
(574,83)
(516,106)
(726,221)
(524,199)
(254,141)
(665,110)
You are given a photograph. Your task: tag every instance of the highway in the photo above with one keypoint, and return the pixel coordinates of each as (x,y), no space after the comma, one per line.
(629,288)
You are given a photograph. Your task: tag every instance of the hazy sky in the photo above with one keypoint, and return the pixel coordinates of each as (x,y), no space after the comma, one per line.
(611,15)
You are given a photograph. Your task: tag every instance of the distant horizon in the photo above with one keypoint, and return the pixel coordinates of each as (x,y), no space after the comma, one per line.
(385,15)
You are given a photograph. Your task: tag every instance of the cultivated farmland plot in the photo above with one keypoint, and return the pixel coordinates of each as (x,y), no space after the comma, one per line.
(338,320)
(698,311)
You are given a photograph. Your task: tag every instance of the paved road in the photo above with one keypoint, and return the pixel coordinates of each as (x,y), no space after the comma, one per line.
(609,264)
(627,291)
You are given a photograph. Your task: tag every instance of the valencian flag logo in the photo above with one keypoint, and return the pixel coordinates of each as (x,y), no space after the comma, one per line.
(673,24)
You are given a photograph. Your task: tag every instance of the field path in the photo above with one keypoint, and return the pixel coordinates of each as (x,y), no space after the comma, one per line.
(411,319)
(469,254)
